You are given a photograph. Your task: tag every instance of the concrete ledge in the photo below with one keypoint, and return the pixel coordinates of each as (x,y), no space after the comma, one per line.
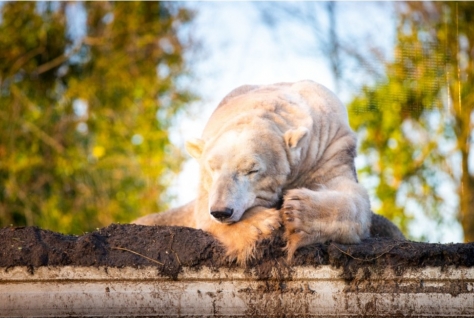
(309,292)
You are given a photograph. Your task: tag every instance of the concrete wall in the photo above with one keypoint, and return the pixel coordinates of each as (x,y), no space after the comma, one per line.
(317,292)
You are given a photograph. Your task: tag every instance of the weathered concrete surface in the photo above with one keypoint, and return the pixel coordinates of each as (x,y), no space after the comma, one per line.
(310,292)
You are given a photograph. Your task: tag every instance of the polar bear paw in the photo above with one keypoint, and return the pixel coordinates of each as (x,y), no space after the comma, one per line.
(241,238)
(301,216)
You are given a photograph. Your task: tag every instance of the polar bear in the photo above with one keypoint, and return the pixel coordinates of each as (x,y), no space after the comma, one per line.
(280,154)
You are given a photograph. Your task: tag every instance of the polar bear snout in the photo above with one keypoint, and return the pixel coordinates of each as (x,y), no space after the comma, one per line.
(221,213)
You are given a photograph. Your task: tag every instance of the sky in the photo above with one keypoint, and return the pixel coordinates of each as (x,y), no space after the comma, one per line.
(238,48)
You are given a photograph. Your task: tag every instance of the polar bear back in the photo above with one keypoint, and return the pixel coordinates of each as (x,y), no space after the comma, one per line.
(304,103)
(311,91)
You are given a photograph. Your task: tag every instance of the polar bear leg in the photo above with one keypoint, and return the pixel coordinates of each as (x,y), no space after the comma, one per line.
(179,216)
(340,213)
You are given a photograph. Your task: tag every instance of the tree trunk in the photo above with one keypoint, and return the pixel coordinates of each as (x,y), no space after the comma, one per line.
(467,201)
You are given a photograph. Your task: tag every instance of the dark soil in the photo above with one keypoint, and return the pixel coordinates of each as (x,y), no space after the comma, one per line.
(171,248)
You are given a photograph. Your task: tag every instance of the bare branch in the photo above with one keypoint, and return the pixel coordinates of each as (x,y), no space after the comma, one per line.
(58,60)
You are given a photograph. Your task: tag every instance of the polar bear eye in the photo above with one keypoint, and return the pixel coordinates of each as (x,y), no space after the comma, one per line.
(253,171)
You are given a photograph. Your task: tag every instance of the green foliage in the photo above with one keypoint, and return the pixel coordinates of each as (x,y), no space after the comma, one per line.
(84,118)
(417,120)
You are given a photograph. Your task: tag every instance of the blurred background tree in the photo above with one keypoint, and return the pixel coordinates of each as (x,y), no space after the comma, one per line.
(416,124)
(87,94)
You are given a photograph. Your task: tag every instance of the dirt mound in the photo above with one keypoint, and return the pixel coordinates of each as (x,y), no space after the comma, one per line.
(171,248)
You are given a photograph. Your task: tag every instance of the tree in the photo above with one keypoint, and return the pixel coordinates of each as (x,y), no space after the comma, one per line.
(87,93)
(417,122)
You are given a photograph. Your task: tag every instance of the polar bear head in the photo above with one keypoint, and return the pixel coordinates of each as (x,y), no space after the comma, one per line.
(245,168)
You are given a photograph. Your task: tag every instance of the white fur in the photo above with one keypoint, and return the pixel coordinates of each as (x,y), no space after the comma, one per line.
(262,144)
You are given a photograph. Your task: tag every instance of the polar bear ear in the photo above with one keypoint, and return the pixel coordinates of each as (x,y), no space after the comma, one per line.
(194,147)
(294,136)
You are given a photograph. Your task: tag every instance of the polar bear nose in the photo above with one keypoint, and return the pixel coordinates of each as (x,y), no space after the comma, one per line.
(221,213)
